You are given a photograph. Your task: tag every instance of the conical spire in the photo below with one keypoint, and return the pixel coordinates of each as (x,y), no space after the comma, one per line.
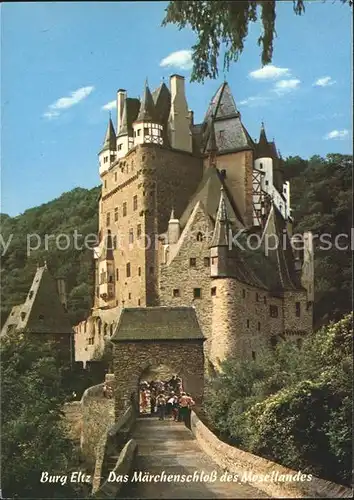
(262,136)
(222,224)
(110,137)
(147,107)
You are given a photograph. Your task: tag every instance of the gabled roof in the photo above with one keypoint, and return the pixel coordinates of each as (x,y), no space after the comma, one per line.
(147,112)
(109,142)
(208,193)
(130,112)
(42,312)
(282,256)
(157,323)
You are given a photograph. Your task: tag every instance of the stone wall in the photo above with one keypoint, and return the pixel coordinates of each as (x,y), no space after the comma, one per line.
(97,417)
(131,359)
(239,462)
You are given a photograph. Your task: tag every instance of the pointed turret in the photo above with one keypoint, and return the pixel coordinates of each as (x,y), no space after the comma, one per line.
(222,224)
(262,136)
(147,107)
(109,142)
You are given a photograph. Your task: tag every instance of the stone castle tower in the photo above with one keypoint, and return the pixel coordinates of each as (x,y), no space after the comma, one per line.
(175,196)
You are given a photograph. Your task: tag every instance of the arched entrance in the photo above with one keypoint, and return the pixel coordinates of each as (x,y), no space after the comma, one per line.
(147,338)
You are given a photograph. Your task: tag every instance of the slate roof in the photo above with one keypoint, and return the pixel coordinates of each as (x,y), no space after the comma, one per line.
(157,323)
(208,192)
(147,111)
(222,224)
(130,112)
(109,142)
(223,121)
(42,312)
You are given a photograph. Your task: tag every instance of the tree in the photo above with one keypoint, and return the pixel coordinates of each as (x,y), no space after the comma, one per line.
(33,436)
(218,23)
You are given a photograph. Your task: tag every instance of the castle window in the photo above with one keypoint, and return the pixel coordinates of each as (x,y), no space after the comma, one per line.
(261,165)
(85,327)
(128,269)
(213,260)
(146,130)
(108,219)
(138,302)
(139,271)
(97,291)
(131,236)
(197,293)
(117,274)
(213,291)
(199,236)
(124,209)
(243,294)
(257,297)
(192,262)
(266,183)
(129,296)
(138,231)
(206,261)
(176,292)
(258,326)
(253,355)
(248,323)
(120,147)
(298,309)
(273,311)
(105,184)
(115,176)
(116,213)
(110,279)
(138,131)
(23,315)
(135,203)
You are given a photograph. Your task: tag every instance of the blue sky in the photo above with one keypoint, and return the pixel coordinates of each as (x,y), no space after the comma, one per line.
(63,62)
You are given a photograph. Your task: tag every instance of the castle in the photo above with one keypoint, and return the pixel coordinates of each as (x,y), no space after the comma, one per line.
(181,207)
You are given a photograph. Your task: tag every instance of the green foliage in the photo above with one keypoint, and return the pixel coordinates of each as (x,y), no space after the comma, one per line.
(291,406)
(225,24)
(321,195)
(73,211)
(33,439)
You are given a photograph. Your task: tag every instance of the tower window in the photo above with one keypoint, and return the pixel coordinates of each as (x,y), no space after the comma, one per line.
(176,292)
(261,165)
(273,311)
(298,309)
(116,213)
(135,203)
(23,315)
(128,269)
(110,280)
(253,355)
(243,294)
(197,293)
(108,219)
(139,271)
(266,183)
(115,176)
(257,297)
(119,147)
(199,236)
(248,323)
(258,326)
(138,231)
(206,261)
(138,131)
(129,296)
(192,262)
(117,274)
(124,209)
(213,291)
(146,130)
(131,236)
(105,184)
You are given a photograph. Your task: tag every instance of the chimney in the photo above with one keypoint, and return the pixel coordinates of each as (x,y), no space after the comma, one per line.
(177,86)
(191,117)
(61,285)
(121,96)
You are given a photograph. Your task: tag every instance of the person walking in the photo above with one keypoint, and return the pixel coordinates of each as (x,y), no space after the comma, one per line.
(184,404)
(161,406)
(175,408)
(169,405)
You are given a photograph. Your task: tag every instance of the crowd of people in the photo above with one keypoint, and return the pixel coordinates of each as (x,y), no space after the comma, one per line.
(167,399)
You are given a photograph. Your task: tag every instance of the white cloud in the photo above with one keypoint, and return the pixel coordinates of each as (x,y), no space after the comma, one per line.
(325,81)
(269,72)
(181,59)
(110,105)
(337,134)
(255,101)
(67,102)
(284,86)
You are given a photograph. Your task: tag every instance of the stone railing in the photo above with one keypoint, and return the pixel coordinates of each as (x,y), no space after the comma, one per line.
(111,446)
(111,487)
(97,418)
(242,463)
